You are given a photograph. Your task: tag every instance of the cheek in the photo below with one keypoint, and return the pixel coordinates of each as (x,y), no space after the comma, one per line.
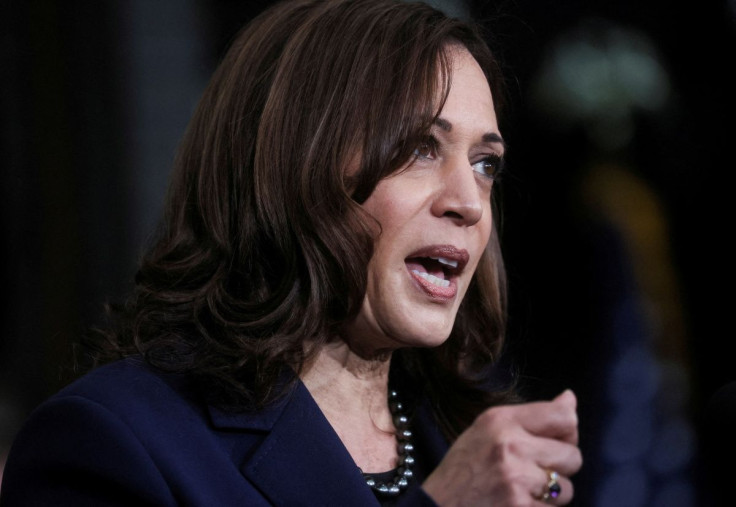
(485,227)
(482,239)
(388,212)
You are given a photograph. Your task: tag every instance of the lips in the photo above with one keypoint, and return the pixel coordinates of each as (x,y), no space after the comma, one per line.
(435,268)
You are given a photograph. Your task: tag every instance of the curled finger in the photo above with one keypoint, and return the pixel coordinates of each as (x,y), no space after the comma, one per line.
(555,489)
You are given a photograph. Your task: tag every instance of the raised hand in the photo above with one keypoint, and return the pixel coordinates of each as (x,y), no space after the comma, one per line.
(514,455)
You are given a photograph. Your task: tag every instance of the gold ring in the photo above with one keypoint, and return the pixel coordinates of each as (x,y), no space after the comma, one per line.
(552,488)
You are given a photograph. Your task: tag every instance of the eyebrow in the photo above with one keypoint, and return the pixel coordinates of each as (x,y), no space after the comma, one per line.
(489,137)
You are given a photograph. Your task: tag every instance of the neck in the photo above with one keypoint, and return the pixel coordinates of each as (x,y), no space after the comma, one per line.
(351,390)
(340,378)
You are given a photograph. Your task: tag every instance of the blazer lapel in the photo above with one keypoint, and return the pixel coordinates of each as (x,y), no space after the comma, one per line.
(301,460)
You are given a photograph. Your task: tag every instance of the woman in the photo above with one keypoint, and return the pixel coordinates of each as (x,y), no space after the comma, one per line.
(317,321)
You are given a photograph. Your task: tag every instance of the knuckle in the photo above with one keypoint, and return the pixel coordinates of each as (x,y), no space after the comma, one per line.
(509,483)
(566,417)
(506,448)
(490,416)
(507,474)
(495,418)
(577,458)
(573,456)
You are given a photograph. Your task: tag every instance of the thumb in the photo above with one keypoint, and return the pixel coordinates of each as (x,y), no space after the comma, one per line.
(568,401)
(567,397)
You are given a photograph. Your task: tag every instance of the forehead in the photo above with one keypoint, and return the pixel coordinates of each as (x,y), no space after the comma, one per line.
(469,106)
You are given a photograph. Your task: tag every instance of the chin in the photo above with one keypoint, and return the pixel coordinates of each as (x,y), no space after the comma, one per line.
(400,326)
(427,328)
(428,341)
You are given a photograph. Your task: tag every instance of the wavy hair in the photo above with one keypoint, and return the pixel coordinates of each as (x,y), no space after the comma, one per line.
(264,243)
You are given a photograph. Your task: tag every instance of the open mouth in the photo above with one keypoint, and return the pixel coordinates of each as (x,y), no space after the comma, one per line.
(436,270)
(436,267)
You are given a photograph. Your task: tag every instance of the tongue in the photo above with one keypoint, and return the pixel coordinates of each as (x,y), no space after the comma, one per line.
(426,265)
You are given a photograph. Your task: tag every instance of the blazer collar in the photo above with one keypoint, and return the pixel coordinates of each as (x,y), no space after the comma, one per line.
(301,460)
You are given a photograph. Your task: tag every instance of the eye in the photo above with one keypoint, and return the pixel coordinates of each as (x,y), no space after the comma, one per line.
(489,166)
(427,149)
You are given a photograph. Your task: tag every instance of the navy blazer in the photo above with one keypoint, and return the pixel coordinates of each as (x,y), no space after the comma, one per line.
(126,434)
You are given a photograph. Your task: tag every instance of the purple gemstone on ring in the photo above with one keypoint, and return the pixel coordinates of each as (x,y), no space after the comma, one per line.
(554,490)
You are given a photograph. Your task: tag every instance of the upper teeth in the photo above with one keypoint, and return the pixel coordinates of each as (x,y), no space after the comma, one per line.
(446,262)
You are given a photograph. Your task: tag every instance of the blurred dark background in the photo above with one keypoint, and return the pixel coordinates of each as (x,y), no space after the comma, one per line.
(616,203)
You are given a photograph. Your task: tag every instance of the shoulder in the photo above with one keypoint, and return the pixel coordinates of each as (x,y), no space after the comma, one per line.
(88,445)
(125,379)
(126,434)
(132,389)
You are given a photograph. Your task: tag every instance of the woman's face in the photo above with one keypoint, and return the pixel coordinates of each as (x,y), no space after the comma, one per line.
(435,218)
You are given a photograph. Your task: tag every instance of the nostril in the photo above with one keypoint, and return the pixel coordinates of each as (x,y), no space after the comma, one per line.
(452,214)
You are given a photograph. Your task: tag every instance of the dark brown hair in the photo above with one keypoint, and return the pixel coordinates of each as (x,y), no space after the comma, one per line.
(264,242)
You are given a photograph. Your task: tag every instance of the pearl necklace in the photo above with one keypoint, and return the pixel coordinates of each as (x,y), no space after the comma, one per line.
(404,473)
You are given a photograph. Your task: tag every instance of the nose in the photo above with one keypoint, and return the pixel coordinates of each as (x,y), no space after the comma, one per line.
(459,197)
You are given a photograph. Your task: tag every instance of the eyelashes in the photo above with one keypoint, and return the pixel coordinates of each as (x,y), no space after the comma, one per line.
(427,149)
(489,166)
